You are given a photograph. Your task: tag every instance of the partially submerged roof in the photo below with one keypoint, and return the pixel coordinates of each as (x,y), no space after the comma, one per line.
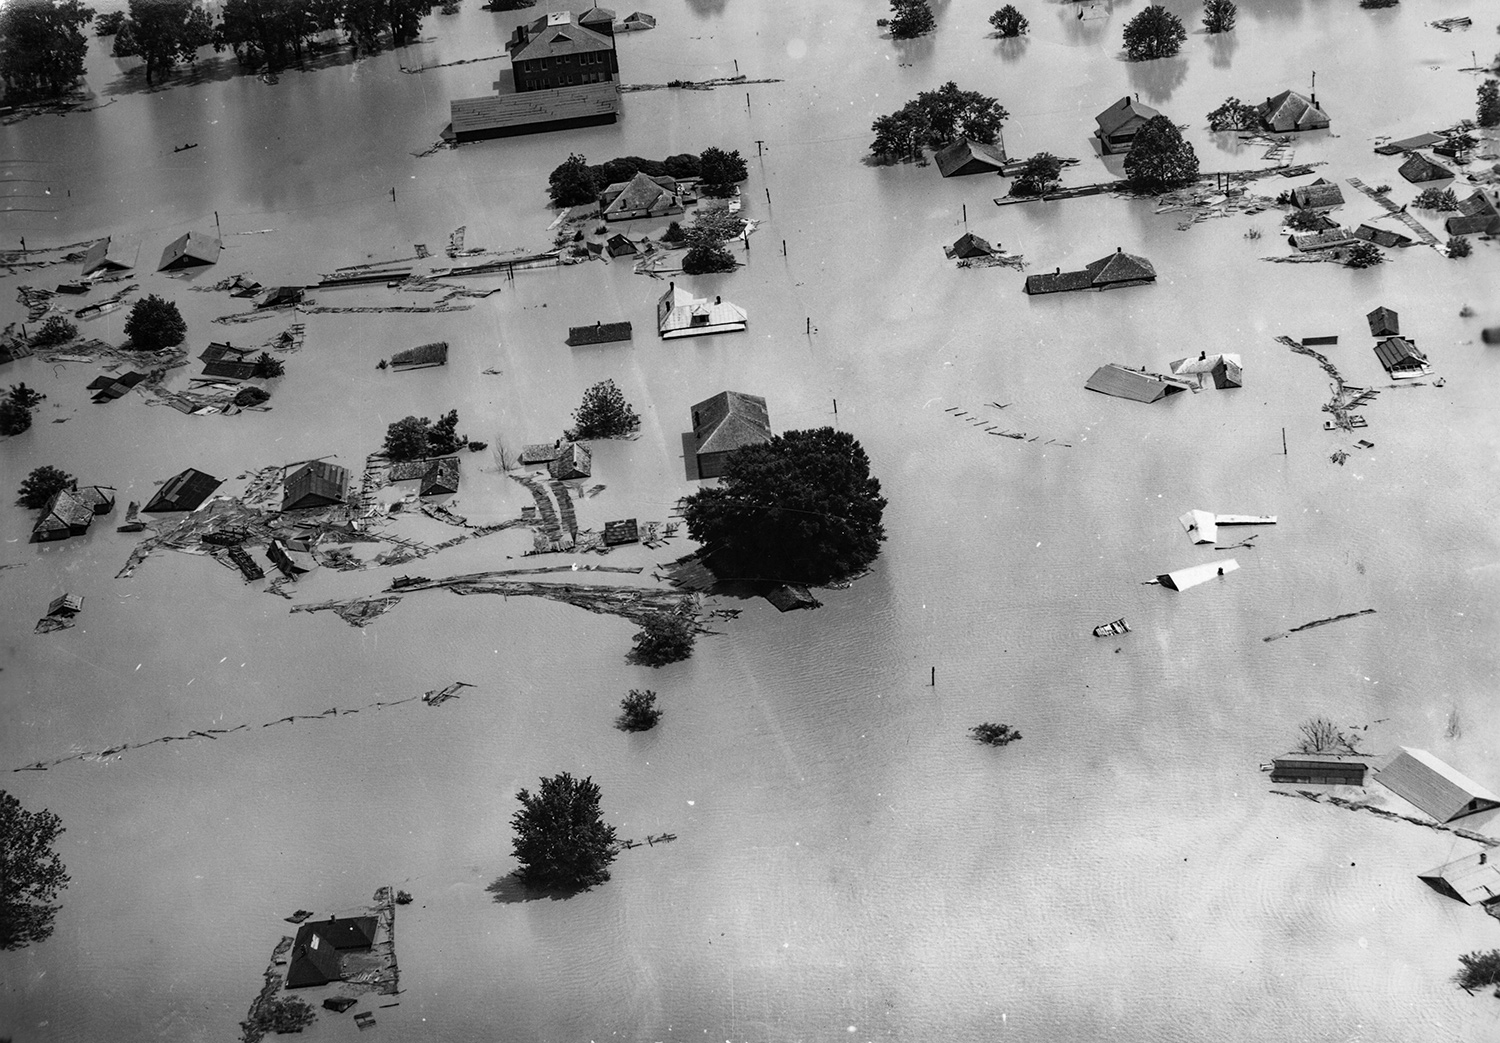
(575,461)
(1395,148)
(1328,239)
(1119,269)
(1418,169)
(1438,789)
(1183,579)
(964,157)
(1203,526)
(65,511)
(730,420)
(229,370)
(432,354)
(501,114)
(1398,352)
(1321,194)
(183,492)
(619,245)
(1134,384)
(218,351)
(555,34)
(969,245)
(788,597)
(107,256)
(1382,236)
(1384,322)
(624,531)
(315,952)
(65,605)
(316,483)
(540,452)
(1226,371)
(1122,112)
(1289,111)
(440,477)
(641,192)
(1473,879)
(189,250)
(680,314)
(598,333)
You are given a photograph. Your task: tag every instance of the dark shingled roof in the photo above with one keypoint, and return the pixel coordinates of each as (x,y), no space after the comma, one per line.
(1479,224)
(441,477)
(618,245)
(1122,112)
(540,452)
(1292,111)
(1418,168)
(65,605)
(617,532)
(183,492)
(598,333)
(969,245)
(657,195)
(315,484)
(100,497)
(1477,204)
(1120,268)
(730,420)
(101,257)
(64,511)
(1382,236)
(218,351)
(1058,282)
(1319,195)
(229,370)
(433,354)
(189,250)
(1384,322)
(1399,353)
(544,38)
(964,157)
(575,461)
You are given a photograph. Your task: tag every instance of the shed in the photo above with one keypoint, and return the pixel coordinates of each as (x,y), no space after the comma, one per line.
(619,245)
(1322,194)
(1384,322)
(679,314)
(1119,124)
(106,255)
(1109,272)
(964,157)
(540,452)
(281,297)
(1395,148)
(1134,384)
(433,354)
(725,423)
(65,515)
(1325,769)
(100,497)
(618,532)
(1400,357)
(1382,236)
(1419,169)
(1439,790)
(786,598)
(316,483)
(575,461)
(1473,880)
(1290,111)
(598,333)
(1224,370)
(636,21)
(969,245)
(1482,224)
(183,492)
(218,351)
(599,19)
(441,477)
(66,605)
(1328,239)
(189,250)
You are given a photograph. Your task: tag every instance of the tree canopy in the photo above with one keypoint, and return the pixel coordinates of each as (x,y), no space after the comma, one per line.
(717,167)
(15,409)
(41,484)
(638,711)
(1154,33)
(42,49)
(163,32)
(801,508)
(1159,159)
(155,323)
(272,31)
(573,182)
(1234,115)
(31,873)
(56,330)
(1219,15)
(910,19)
(664,637)
(707,258)
(561,838)
(1489,102)
(936,118)
(604,413)
(413,438)
(1009,23)
(1037,176)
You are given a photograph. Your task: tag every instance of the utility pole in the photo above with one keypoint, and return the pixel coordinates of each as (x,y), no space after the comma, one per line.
(759,147)
(219,232)
(966,217)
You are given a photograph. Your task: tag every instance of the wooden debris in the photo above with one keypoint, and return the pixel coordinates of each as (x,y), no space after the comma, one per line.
(1320,623)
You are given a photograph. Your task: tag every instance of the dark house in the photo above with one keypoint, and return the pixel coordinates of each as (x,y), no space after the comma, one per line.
(1401,357)
(575,461)
(1477,215)
(1330,239)
(66,514)
(619,246)
(1119,124)
(1290,111)
(107,388)
(440,477)
(598,333)
(224,369)
(642,196)
(1384,322)
(969,245)
(729,421)
(220,352)
(189,250)
(618,532)
(281,297)
(423,355)
(1116,270)
(315,951)
(100,497)
(558,50)
(317,483)
(1322,194)
(1419,169)
(964,157)
(1327,769)
(183,492)
(1383,237)
(1438,789)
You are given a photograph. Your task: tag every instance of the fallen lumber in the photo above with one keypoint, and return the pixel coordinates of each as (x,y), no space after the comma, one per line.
(1320,623)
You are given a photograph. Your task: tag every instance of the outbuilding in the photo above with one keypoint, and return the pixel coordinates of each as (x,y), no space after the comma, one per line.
(624,531)
(1472,880)
(619,245)
(183,492)
(679,314)
(1384,322)
(1137,385)
(1322,194)
(316,483)
(1401,357)
(1418,169)
(575,461)
(1438,789)
(1321,769)
(440,478)
(964,157)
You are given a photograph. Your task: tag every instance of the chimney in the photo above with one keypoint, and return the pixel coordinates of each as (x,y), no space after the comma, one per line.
(1119,249)
(718,300)
(671,285)
(1483,857)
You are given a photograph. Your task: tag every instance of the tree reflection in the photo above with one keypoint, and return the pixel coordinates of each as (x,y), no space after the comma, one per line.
(1158,78)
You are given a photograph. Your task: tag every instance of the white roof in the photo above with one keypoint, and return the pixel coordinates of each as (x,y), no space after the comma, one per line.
(1182,579)
(680,314)
(1201,526)
(1203,365)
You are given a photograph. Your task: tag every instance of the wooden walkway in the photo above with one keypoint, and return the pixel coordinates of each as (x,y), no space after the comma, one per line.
(1400,214)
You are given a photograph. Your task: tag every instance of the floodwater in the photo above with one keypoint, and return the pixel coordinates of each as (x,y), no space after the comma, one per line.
(849,864)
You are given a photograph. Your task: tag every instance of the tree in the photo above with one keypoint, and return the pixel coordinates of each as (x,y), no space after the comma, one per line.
(638,712)
(1489,103)
(1154,33)
(41,485)
(56,330)
(251,396)
(717,167)
(673,234)
(31,874)
(443,437)
(1038,175)
(1436,199)
(704,258)
(13,418)
(1159,159)
(268,365)
(604,413)
(1363,255)
(42,50)
(406,439)
(1219,15)
(801,508)
(561,838)
(109,24)
(1234,115)
(155,323)
(935,118)
(910,19)
(1307,221)
(163,33)
(573,182)
(994,734)
(664,638)
(1009,23)
(1320,735)
(1459,246)
(1480,970)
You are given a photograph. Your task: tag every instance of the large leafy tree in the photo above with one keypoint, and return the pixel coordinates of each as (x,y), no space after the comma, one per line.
(155,323)
(42,484)
(1159,159)
(802,508)
(1038,175)
(1219,15)
(273,31)
(561,838)
(573,182)
(1234,115)
(41,48)
(604,413)
(31,874)
(910,19)
(1154,33)
(1009,23)
(935,118)
(163,32)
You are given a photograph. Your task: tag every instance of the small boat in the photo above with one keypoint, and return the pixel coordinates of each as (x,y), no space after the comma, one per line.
(1119,626)
(298,916)
(184,148)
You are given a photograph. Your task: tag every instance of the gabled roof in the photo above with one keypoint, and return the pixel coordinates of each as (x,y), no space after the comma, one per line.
(279,296)
(1479,224)
(314,484)
(1292,111)
(600,19)
(65,605)
(1114,379)
(1324,240)
(1384,322)
(217,351)
(65,510)
(547,37)
(104,256)
(1122,112)
(314,960)
(1477,204)
(598,333)
(730,420)
(183,492)
(539,453)
(624,531)
(441,477)
(969,245)
(1321,193)
(345,932)
(189,250)
(229,370)
(1119,267)
(1473,880)
(1398,351)
(1058,282)
(1408,144)
(575,461)
(964,157)
(680,314)
(642,192)
(101,498)
(619,244)
(1433,786)
(1418,168)
(1382,236)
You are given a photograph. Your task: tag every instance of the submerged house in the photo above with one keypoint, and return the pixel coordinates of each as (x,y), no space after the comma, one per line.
(1382,236)
(440,478)
(99,497)
(317,483)
(107,255)
(1119,124)
(969,245)
(1322,194)
(1290,111)
(66,514)
(1439,790)
(1226,371)
(634,22)
(618,245)
(1384,322)
(315,958)
(573,461)
(1322,769)
(964,157)
(1401,357)
(729,421)
(598,333)
(680,314)
(183,492)
(1419,169)
(641,196)
(1135,384)
(1116,270)
(1329,239)
(107,388)
(619,532)
(1473,880)
(1477,215)
(218,351)
(189,250)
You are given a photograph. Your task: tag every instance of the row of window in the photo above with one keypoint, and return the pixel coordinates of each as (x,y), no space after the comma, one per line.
(586,58)
(570,79)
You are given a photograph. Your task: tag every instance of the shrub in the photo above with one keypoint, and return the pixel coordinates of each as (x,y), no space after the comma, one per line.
(268,365)
(910,19)
(155,323)
(663,638)
(673,234)
(1038,175)
(1219,15)
(714,225)
(41,484)
(1364,255)
(1489,104)
(1459,246)
(1009,23)
(604,413)
(994,734)
(412,438)
(1306,221)
(251,396)
(638,712)
(1479,970)
(56,330)
(15,410)
(287,1014)
(704,258)
(1154,33)
(1436,199)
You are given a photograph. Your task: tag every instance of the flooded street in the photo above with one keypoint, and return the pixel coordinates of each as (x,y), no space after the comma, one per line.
(850,864)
